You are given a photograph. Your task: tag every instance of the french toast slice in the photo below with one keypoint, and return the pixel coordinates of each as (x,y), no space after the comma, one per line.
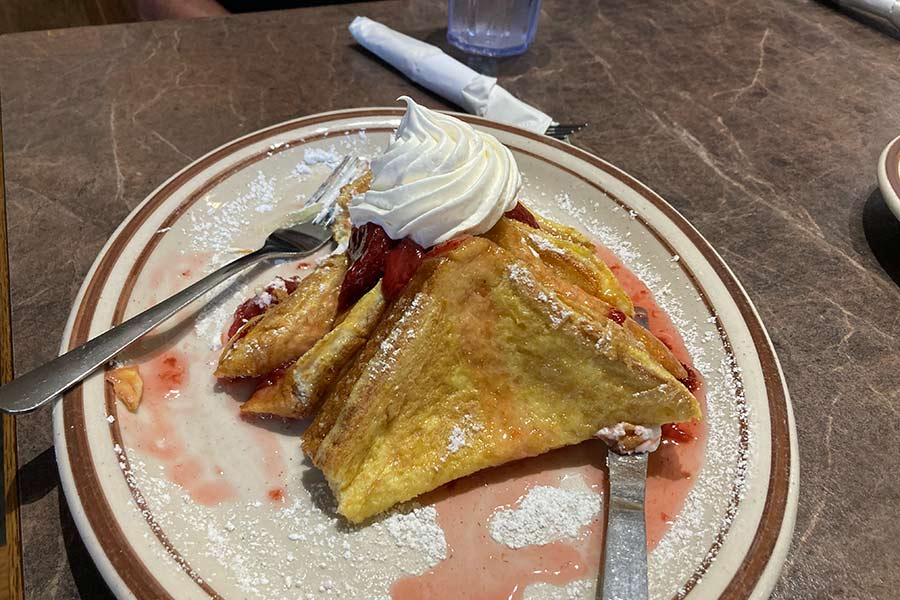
(564,232)
(476,364)
(341,228)
(297,394)
(289,328)
(581,280)
(572,258)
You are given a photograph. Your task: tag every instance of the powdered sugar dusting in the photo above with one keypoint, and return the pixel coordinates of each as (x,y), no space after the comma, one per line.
(244,545)
(301,170)
(418,530)
(319,156)
(555,310)
(461,435)
(383,361)
(544,515)
(222,217)
(574,590)
(214,223)
(262,189)
(214,317)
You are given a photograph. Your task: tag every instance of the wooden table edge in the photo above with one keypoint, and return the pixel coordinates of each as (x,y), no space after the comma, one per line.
(11,578)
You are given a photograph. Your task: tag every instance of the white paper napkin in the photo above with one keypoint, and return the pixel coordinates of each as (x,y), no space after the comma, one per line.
(430,67)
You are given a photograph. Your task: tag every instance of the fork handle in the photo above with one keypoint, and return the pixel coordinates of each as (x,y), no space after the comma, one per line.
(41,385)
(625,561)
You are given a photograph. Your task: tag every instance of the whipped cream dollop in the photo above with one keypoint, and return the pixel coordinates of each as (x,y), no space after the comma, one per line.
(628,438)
(439,179)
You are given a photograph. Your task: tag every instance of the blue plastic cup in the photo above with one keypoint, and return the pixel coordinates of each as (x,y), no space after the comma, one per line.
(493,27)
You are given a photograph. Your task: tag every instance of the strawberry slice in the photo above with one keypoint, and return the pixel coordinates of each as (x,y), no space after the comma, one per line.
(368,250)
(400,266)
(522,214)
(673,432)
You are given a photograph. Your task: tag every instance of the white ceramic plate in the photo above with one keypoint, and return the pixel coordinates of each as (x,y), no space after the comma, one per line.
(889,176)
(187,500)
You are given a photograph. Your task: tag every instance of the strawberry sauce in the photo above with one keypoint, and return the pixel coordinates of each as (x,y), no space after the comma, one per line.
(401,264)
(479,568)
(522,214)
(164,378)
(368,250)
(259,304)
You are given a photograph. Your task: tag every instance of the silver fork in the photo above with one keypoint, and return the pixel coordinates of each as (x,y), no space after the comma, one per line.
(561,131)
(41,385)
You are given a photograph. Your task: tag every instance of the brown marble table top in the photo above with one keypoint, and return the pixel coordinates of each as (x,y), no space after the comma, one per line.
(760,121)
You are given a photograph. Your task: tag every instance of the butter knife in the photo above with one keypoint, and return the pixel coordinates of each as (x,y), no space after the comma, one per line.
(625,559)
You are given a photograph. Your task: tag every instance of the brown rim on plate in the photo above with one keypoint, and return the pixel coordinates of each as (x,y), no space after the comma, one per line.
(892,166)
(98,512)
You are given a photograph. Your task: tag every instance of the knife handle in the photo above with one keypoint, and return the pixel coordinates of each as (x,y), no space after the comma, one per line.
(625,560)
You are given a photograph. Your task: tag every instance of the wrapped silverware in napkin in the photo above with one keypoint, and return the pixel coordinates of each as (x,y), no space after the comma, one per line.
(432,68)
(886,9)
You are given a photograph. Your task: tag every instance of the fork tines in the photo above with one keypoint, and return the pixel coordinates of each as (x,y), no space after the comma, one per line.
(561,130)
(326,196)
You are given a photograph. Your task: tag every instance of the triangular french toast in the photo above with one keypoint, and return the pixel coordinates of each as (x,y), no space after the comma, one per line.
(583,282)
(480,362)
(569,255)
(452,330)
